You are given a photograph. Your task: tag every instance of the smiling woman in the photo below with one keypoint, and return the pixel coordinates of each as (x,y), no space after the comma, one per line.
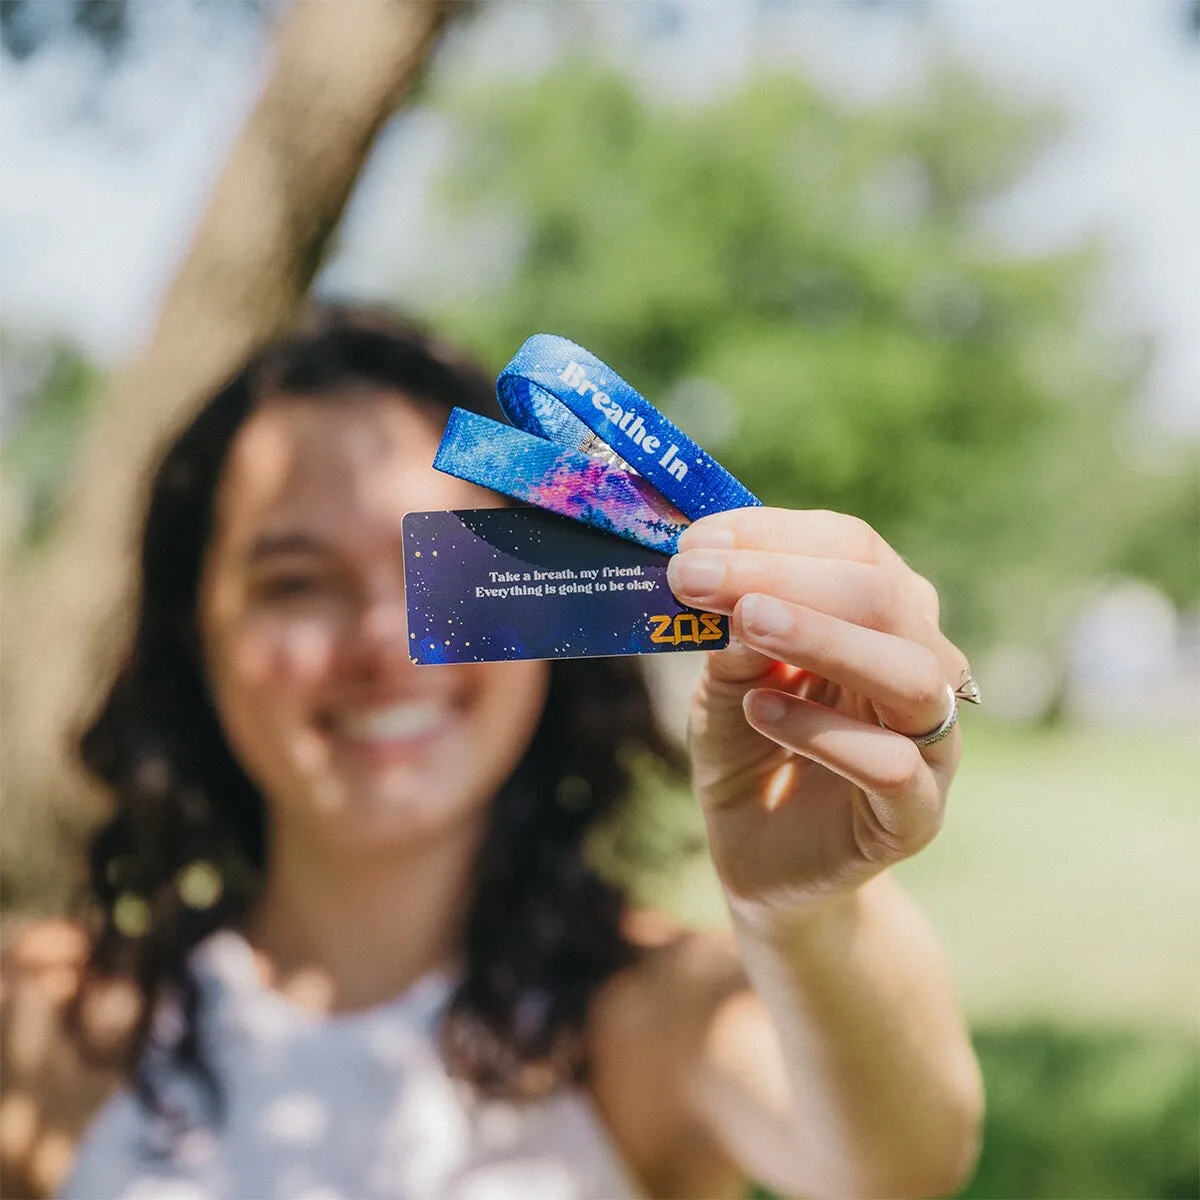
(269,722)
(353,893)
(305,644)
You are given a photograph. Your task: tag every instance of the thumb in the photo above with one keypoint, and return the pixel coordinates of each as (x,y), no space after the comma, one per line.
(739,668)
(717,703)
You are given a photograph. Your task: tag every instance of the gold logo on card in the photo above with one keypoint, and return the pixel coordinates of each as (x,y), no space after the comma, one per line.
(669,630)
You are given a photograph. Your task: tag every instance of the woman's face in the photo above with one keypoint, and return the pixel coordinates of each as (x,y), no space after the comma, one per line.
(303,624)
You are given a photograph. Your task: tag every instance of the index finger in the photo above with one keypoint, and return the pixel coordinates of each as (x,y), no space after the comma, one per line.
(813,532)
(833,536)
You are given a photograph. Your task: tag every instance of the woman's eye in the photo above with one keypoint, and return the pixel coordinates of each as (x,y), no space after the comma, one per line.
(291,587)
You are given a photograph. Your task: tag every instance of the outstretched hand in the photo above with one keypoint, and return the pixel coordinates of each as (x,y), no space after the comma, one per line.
(806,794)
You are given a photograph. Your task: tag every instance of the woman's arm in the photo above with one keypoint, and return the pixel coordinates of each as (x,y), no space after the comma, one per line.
(808,798)
(877,1091)
(843,1072)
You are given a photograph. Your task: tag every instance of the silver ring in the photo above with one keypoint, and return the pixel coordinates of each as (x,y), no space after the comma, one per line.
(939,734)
(967,688)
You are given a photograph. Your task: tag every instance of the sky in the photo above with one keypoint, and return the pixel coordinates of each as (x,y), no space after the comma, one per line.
(105,176)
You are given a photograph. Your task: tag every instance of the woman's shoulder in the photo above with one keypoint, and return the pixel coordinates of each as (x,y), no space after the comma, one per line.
(679,977)
(648,1031)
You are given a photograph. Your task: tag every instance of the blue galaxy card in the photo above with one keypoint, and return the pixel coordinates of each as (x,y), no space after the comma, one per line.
(494,584)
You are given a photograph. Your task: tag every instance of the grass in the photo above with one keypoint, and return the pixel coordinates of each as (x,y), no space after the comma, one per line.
(1088,1115)
(1065,884)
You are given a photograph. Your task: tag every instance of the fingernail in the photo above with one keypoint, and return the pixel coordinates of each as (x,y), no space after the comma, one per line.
(765,616)
(696,573)
(706,536)
(764,707)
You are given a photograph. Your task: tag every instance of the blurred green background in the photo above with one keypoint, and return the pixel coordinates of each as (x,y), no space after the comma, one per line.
(813,280)
(1064,886)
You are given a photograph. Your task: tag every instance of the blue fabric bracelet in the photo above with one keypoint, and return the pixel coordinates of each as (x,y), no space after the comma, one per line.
(593,449)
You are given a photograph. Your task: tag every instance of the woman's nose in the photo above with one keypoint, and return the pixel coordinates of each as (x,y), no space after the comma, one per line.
(381,639)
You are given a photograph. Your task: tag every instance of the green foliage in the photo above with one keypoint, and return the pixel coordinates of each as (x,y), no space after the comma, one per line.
(37,453)
(811,277)
(1161,542)
(1089,1115)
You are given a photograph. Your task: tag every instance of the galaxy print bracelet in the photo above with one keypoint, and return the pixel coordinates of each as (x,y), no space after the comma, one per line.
(585,444)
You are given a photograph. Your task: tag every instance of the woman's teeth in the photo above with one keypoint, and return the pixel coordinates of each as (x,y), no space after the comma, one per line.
(410,720)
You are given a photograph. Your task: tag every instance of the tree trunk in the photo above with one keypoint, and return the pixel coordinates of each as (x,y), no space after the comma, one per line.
(339,71)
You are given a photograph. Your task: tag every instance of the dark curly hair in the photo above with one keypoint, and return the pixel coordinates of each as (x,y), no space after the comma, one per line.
(544,931)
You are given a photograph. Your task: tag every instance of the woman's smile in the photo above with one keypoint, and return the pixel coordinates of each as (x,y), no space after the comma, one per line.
(397,725)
